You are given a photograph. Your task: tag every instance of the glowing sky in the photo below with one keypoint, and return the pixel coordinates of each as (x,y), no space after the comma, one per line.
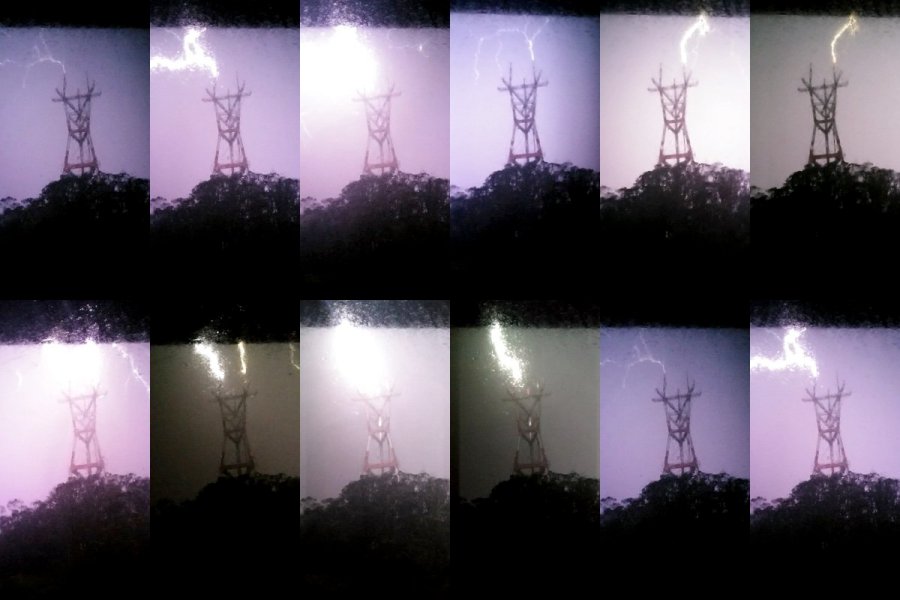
(183,128)
(633,428)
(482,48)
(33,128)
(339,62)
(783,427)
(36,424)
(632,48)
(187,449)
(564,361)
(782,49)
(416,363)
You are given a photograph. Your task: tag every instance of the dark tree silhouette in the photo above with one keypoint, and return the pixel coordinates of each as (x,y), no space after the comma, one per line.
(383,234)
(91,535)
(82,234)
(839,218)
(238,228)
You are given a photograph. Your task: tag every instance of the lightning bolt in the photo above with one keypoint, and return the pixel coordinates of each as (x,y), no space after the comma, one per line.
(295,364)
(853,25)
(194,56)
(642,355)
(510,363)
(701,27)
(134,370)
(206,350)
(498,36)
(40,54)
(243,352)
(794,356)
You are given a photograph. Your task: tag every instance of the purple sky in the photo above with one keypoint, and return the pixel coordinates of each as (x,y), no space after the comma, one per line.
(333,424)
(783,48)
(33,128)
(783,427)
(36,425)
(338,62)
(565,50)
(183,129)
(187,426)
(565,361)
(718,109)
(633,428)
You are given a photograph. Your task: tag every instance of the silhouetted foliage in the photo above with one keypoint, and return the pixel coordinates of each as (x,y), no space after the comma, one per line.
(381,528)
(90,534)
(836,218)
(676,219)
(241,225)
(231,537)
(78,234)
(531,534)
(852,516)
(528,226)
(386,232)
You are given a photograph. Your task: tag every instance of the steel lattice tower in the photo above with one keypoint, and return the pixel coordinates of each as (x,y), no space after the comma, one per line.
(828,422)
(78,121)
(528,425)
(228,121)
(237,459)
(823,99)
(680,457)
(380,456)
(523,100)
(378,122)
(86,457)
(673,99)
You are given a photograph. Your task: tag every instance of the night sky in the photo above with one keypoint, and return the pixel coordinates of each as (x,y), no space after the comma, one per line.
(187,425)
(783,47)
(632,48)
(36,424)
(633,428)
(33,129)
(482,47)
(183,128)
(565,362)
(783,427)
(336,64)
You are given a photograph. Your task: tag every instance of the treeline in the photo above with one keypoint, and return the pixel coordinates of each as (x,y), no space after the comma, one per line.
(90,535)
(386,233)
(833,220)
(77,235)
(852,516)
(239,228)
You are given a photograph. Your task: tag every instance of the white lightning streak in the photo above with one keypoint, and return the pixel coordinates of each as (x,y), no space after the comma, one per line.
(505,358)
(41,54)
(643,355)
(853,25)
(243,352)
(795,357)
(295,364)
(134,370)
(529,41)
(700,26)
(206,350)
(194,56)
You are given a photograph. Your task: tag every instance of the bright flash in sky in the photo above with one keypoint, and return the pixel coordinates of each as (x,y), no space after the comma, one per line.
(795,356)
(73,366)
(243,352)
(700,26)
(206,350)
(359,357)
(194,56)
(853,25)
(337,64)
(505,358)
